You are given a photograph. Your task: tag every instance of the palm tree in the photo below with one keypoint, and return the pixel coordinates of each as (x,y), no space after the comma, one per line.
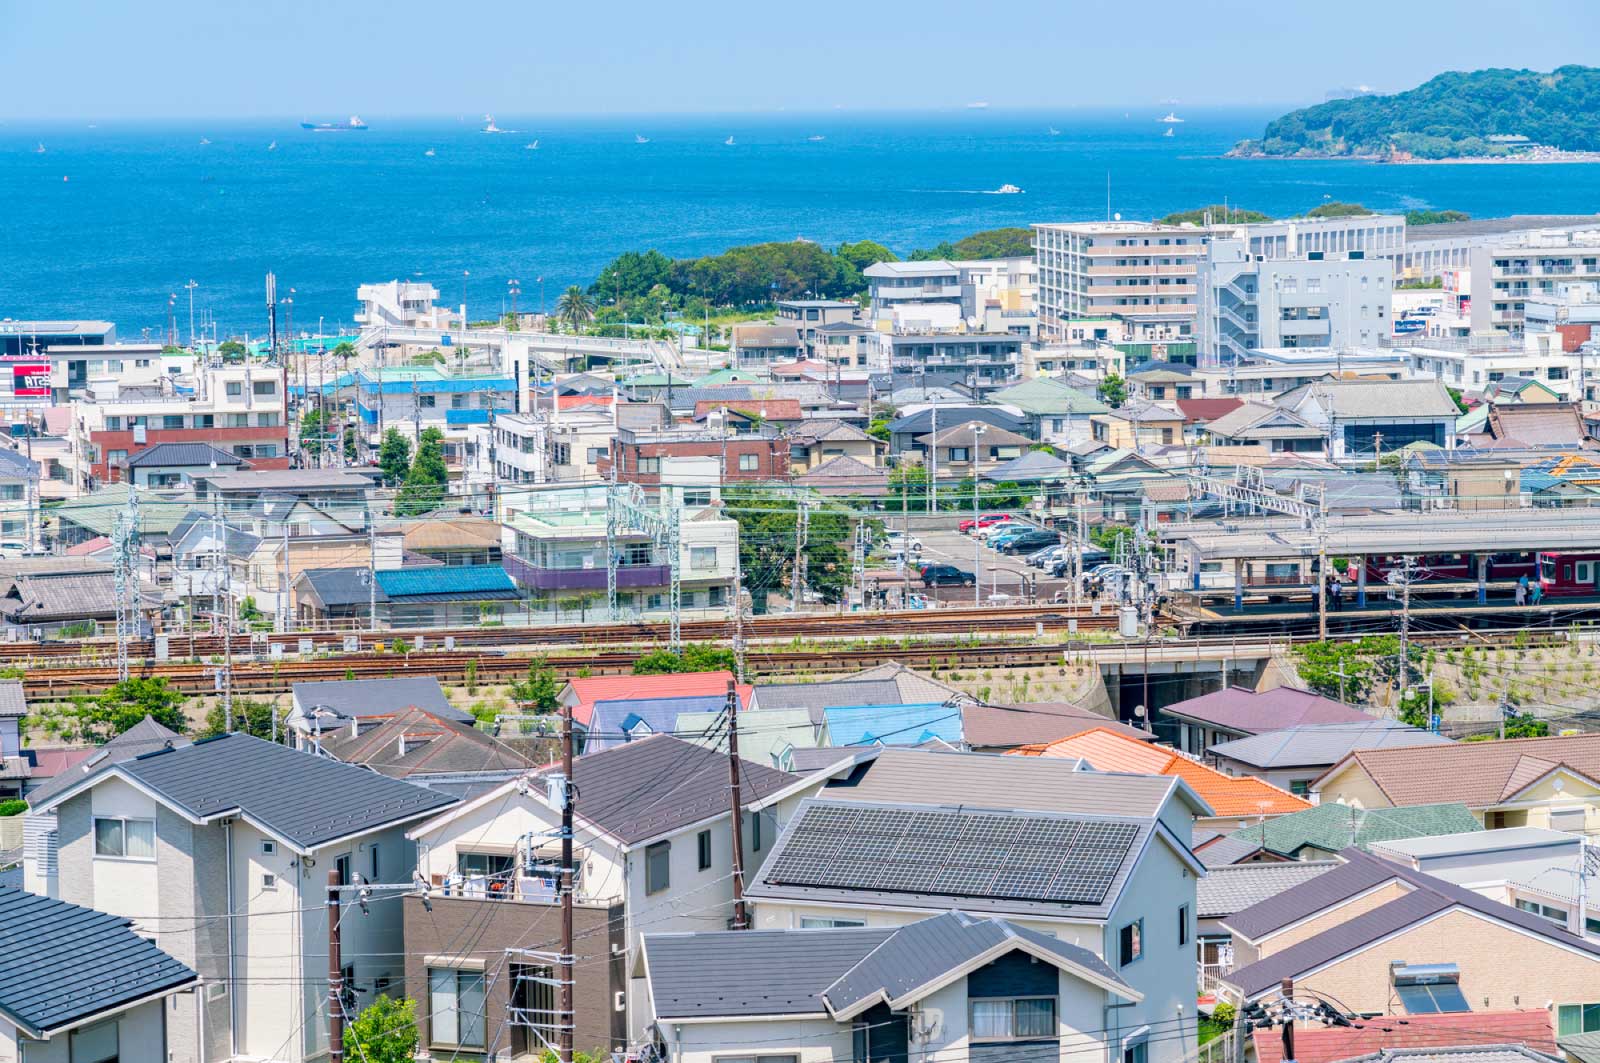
(574,308)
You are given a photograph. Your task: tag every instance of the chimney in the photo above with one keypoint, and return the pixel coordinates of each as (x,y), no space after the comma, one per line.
(355,728)
(402,751)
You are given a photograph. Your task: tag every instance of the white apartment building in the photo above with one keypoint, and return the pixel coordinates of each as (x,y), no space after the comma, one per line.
(556,446)
(406,304)
(1374,235)
(1327,300)
(942,295)
(1540,264)
(1140,272)
(1473,367)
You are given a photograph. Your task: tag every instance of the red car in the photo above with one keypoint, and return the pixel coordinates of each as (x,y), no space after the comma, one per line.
(983,521)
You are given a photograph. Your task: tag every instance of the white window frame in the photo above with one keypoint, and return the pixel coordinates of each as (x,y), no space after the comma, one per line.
(1011,1022)
(444,1026)
(122,838)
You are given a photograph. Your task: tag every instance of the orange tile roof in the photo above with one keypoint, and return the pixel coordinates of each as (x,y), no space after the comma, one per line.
(584,692)
(1228,795)
(1530,1027)
(567,402)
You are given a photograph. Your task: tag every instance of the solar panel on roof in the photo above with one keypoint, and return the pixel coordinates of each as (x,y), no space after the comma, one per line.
(1432,999)
(954,853)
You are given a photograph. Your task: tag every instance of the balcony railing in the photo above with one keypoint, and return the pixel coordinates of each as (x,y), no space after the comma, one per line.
(539,885)
(584,579)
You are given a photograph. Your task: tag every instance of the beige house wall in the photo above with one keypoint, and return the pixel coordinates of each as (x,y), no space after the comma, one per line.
(1351,785)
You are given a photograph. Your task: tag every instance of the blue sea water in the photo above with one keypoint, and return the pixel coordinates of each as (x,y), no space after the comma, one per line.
(110,219)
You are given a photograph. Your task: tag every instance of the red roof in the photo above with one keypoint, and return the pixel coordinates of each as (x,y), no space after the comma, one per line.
(1530,1027)
(582,694)
(89,546)
(567,402)
(1203,410)
(50,761)
(771,409)
(800,368)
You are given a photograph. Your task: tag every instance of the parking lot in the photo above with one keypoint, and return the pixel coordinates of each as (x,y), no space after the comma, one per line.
(999,573)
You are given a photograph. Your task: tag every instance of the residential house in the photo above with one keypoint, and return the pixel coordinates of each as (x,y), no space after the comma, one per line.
(1056,413)
(43,604)
(816,697)
(906,431)
(435,750)
(1321,832)
(893,725)
(1229,889)
(81,986)
(582,694)
(1260,424)
(1363,418)
(810,316)
(766,344)
(845,476)
(1104,859)
(1196,724)
(15,767)
(454,541)
(93,515)
(19,499)
(177,464)
(413,399)
(1163,381)
(758,453)
(335,704)
(1138,426)
(1384,939)
(1523,782)
(1294,756)
(177,841)
(615,721)
(766,736)
(951,987)
(652,844)
(1199,413)
(1234,800)
(1525,425)
(841,345)
(1000,728)
(972,446)
(985,361)
(813,443)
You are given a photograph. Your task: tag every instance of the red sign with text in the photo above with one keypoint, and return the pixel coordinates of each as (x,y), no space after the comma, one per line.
(31,381)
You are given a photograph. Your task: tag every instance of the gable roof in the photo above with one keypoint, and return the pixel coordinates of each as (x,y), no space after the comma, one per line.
(966,433)
(582,692)
(1228,795)
(828,693)
(1334,827)
(1235,887)
(730,974)
(184,454)
(1476,774)
(61,963)
(1032,466)
(921,422)
(616,722)
(146,736)
(1545,424)
(1035,723)
(416,742)
(1206,410)
(845,471)
(656,785)
(1427,1032)
(356,699)
(1252,712)
(1322,744)
(900,725)
(1045,395)
(299,798)
(447,583)
(766,736)
(913,685)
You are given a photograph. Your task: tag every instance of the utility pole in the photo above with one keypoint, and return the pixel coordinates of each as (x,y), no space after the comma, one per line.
(740,921)
(335,973)
(1405,621)
(1288,1024)
(798,575)
(372,571)
(567,793)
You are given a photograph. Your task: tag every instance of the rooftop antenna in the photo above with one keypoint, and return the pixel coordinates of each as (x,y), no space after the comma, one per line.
(1108,195)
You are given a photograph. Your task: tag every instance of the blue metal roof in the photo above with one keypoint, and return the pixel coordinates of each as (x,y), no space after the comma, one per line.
(485,580)
(61,963)
(892,725)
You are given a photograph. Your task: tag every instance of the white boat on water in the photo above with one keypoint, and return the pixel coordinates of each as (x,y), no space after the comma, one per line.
(273,146)
(534,146)
(816,139)
(204,142)
(1008,190)
(640,139)
(490,127)
(1168,133)
(1172,119)
(40,149)
(429,153)
(1054,131)
(728,142)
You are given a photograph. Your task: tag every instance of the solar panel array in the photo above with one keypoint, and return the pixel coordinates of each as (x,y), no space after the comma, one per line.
(953,853)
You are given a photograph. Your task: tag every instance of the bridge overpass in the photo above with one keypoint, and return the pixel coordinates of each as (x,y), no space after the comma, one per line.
(551,352)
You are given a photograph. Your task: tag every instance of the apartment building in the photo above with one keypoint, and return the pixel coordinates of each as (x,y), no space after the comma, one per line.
(1320,299)
(1529,265)
(1477,366)
(1372,235)
(943,295)
(406,304)
(25,338)
(1140,272)
(237,408)
(413,400)
(981,360)
(760,452)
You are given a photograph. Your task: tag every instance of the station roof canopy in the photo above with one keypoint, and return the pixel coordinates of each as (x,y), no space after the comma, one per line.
(1390,533)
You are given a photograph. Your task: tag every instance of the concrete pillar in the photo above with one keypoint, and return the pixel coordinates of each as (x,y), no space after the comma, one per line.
(1238,585)
(1483,579)
(1361,582)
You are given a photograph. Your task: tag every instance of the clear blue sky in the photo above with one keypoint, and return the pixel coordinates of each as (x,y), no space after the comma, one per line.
(232,58)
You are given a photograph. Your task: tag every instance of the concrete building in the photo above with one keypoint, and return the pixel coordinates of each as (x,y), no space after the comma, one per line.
(1142,273)
(413,400)
(809,316)
(1371,235)
(979,360)
(21,338)
(1530,265)
(1317,300)
(406,304)
(946,296)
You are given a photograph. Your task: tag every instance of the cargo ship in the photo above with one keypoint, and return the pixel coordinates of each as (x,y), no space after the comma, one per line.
(354,124)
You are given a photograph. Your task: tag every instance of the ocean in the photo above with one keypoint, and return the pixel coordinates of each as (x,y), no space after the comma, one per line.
(109,220)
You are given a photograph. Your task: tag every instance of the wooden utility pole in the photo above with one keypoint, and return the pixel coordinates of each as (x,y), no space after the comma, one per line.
(1288,1021)
(335,973)
(740,922)
(567,965)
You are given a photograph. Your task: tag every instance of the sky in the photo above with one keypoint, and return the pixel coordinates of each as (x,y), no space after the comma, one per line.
(175,59)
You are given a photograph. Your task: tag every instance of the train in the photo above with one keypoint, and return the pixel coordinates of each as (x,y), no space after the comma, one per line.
(1561,573)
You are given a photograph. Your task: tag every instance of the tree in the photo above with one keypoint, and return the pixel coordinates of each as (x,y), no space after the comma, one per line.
(424,487)
(1010,242)
(1220,214)
(1456,397)
(1526,725)
(344,350)
(574,309)
(943,249)
(879,429)
(864,253)
(384,1032)
(1113,391)
(696,657)
(908,487)
(768,528)
(1336,209)
(1354,668)
(129,702)
(394,456)
(250,716)
(311,431)
(1435,217)
(232,351)
(539,691)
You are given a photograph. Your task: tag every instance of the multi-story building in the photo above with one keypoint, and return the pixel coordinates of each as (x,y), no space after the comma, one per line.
(1321,299)
(407,304)
(809,315)
(1476,366)
(1529,265)
(642,456)
(941,295)
(26,338)
(1140,272)
(415,399)
(981,360)
(237,408)
(1373,235)
(74,367)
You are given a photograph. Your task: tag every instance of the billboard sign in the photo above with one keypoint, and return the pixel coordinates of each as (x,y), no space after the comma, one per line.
(30,380)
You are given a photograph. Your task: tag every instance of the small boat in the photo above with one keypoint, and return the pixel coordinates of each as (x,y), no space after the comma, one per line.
(1168,133)
(978,105)
(40,149)
(273,146)
(429,153)
(355,124)
(490,127)
(1008,190)
(1172,119)
(638,139)
(204,142)
(532,147)
(728,142)
(816,139)
(1054,131)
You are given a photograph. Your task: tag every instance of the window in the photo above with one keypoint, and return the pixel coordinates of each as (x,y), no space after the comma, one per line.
(1138,1053)
(650,465)
(235,389)
(1012,1019)
(456,1004)
(755,832)
(1183,925)
(831,924)
(269,882)
(749,462)
(341,864)
(426,402)
(488,865)
(264,389)
(595,454)
(1555,915)
(1130,943)
(657,867)
(703,846)
(94,1044)
(128,839)
(959,454)
(1300,787)
(702,558)
(267,420)
(269,848)
(172,420)
(113,423)
(700,496)
(372,864)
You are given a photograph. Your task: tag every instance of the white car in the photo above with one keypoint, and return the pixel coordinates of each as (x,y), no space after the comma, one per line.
(13,548)
(1003,526)
(897,543)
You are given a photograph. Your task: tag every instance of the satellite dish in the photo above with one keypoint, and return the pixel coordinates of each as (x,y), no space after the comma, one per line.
(1138,712)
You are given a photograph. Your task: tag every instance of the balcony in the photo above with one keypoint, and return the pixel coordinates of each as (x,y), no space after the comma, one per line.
(538,883)
(584,579)
(1307,326)
(921,291)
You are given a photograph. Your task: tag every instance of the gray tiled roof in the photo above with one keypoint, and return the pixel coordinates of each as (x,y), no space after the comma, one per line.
(1289,906)
(146,736)
(362,698)
(61,963)
(432,745)
(12,700)
(1226,890)
(184,454)
(1321,744)
(304,799)
(655,785)
(338,587)
(1036,723)
(814,697)
(815,972)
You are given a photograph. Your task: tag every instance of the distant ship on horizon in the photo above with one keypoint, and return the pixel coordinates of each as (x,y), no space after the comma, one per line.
(490,127)
(639,138)
(353,125)
(1172,118)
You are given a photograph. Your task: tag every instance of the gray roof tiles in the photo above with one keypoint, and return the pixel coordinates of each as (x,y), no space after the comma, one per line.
(12,700)
(814,697)
(1290,906)
(1226,890)
(146,736)
(61,963)
(362,698)
(1322,744)
(184,455)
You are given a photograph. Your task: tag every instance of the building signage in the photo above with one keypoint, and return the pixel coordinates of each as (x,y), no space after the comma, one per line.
(30,380)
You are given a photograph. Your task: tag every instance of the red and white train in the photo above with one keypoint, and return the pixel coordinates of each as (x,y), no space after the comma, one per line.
(1561,573)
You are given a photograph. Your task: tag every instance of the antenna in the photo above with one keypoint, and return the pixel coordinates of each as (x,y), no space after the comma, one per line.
(1108,195)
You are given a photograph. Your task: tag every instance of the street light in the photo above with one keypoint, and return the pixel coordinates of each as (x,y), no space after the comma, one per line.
(978,428)
(192,285)
(514,289)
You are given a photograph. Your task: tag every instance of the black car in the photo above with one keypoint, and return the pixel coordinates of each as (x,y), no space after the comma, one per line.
(946,576)
(1028,542)
(1091,557)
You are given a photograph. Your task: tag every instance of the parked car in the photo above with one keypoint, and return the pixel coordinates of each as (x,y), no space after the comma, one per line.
(1091,557)
(1046,557)
(990,531)
(1027,542)
(999,541)
(946,576)
(899,543)
(984,521)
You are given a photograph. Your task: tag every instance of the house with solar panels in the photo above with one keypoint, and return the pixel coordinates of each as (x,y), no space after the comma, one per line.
(1099,861)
